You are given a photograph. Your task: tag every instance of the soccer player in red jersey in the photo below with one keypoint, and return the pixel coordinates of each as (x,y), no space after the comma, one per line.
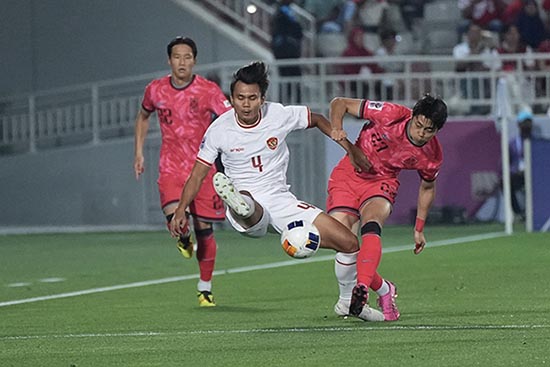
(393,138)
(186,104)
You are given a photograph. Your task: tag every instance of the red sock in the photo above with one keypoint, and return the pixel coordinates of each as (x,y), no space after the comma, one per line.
(206,255)
(368,258)
(376,283)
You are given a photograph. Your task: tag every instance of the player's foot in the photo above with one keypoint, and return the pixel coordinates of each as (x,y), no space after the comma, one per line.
(185,245)
(229,194)
(359,299)
(341,308)
(206,299)
(387,303)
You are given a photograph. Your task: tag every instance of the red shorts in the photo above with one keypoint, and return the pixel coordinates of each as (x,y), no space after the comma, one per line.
(207,205)
(348,192)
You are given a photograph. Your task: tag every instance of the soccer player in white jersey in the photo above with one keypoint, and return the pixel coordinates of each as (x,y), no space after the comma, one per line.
(251,140)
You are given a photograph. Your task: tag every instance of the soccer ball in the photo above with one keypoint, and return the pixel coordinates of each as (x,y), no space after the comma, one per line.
(300,239)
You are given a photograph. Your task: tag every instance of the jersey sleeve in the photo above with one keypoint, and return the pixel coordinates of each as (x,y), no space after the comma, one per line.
(433,164)
(208,150)
(298,117)
(382,112)
(147,102)
(218,102)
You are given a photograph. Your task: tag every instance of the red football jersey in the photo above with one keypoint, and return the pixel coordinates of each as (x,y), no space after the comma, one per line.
(184,115)
(385,142)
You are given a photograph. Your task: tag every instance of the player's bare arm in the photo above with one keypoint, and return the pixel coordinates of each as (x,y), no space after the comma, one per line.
(339,106)
(357,157)
(141,127)
(426,196)
(190,190)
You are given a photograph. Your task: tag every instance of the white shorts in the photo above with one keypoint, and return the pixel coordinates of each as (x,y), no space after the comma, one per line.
(280,209)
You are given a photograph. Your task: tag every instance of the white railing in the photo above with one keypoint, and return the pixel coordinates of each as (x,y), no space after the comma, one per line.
(94,112)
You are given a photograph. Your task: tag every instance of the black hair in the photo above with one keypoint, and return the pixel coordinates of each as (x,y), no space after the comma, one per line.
(180,40)
(433,108)
(253,73)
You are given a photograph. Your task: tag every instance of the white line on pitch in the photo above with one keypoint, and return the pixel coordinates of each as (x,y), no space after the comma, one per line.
(283,330)
(238,270)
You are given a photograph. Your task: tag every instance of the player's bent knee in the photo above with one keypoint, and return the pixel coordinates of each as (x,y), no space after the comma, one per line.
(205,232)
(371,228)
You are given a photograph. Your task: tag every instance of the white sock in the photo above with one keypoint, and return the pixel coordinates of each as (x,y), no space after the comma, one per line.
(346,273)
(384,289)
(204,286)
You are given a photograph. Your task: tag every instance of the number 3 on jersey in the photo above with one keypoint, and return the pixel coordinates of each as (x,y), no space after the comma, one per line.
(257,163)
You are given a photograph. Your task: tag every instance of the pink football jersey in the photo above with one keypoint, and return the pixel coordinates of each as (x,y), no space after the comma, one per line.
(184,114)
(385,142)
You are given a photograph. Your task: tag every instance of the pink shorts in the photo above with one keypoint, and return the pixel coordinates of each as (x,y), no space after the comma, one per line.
(348,192)
(207,205)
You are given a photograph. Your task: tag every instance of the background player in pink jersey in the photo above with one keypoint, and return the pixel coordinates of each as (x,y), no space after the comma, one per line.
(251,140)
(393,138)
(186,105)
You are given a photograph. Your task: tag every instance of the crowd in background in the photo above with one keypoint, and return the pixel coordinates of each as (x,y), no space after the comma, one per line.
(375,27)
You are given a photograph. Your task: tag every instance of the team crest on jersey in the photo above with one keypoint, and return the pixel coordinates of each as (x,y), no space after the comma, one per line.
(194,105)
(272,143)
(375,105)
(226,103)
(410,162)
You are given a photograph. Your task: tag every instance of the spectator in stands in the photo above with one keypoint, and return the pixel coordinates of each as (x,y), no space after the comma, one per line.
(520,88)
(372,15)
(326,14)
(349,14)
(388,44)
(541,84)
(511,43)
(286,43)
(474,44)
(517,164)
(411,12)
(530,24)
(485,13)
(356,48)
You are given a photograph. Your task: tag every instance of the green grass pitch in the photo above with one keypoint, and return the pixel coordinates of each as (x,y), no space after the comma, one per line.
(477,303)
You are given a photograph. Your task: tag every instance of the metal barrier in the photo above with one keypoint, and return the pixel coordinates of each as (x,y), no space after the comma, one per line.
(94,112)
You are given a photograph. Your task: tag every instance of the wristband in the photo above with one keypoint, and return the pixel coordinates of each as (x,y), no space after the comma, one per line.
(419,224)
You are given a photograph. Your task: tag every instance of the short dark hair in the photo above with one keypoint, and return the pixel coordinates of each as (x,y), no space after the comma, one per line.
(433,108)
(180,40)
(253,73)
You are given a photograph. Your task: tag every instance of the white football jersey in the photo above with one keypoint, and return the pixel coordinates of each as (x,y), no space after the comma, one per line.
(255,157)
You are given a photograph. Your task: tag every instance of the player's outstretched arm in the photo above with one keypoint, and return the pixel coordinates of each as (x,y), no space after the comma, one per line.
(140,133)
(426,196)
(339,106)
(190,190)
(357,157)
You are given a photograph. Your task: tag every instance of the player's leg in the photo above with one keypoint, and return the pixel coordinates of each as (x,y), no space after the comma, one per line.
(239,204)
(338,237)
(345,266)
(285,208)
(170,187)
(185,240)
(206,257)
(206,208)
(374,213)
